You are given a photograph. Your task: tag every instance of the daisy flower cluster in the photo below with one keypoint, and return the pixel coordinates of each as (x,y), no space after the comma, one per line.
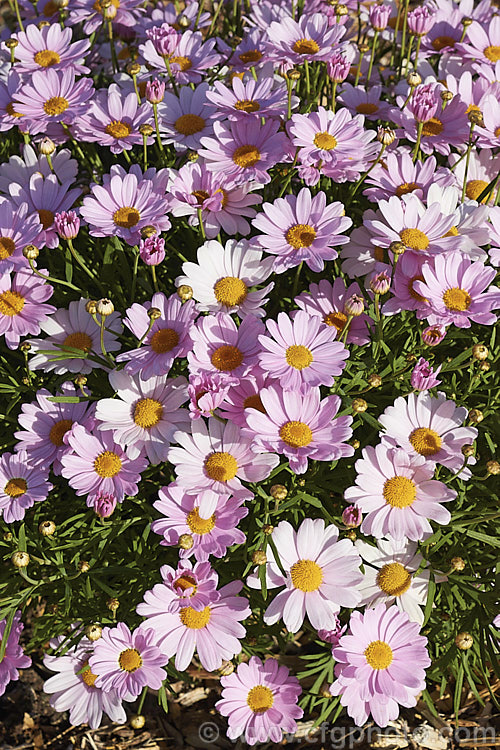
(247,318)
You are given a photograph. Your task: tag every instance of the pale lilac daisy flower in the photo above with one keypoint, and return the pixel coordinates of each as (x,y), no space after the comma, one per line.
(168,338)
(380,664)
(195,585)
(91,13)
(404,296)
(328,302)
(22,308)
(181,514)
(423,376)
(214,632)
(301,228)
(18,227)
(222,278)
(223,204)
(217,459)
(98,464)
(186,118)
(398,174)
(14,657)
(301,352)
(19,169)
(145,414)
(365,101)
(448,127)
(21,485)
(321,574)
(300,427)
(128,661)
(483,42)
(470,227)
(251,98)
(242,396)
(483,167)
(220,346)
(251,52)
(260,699)
(398,494)
(311,38)
(50,48)
(190,59)
(9,117)
(74,329)
(74,690)
(244,151)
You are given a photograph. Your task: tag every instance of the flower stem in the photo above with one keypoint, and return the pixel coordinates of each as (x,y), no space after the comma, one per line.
(372,57)
(51,278)
(420,127)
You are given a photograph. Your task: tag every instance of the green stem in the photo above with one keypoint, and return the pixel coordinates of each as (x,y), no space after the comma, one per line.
(51,278)
(334,94)
(136,88)
(145,146)
(343,338)
(467,160)
(141,340)
(289,87)
(420,127)
(18,15)
(155,280)
(202,226)
(157,127)
(296,280)
(365,175)
(80,262)
(171,77)
(134,276)
(372,57)
(114,59)
(103,348)
(403,38)
(145,690)
(308,79)
(419,42)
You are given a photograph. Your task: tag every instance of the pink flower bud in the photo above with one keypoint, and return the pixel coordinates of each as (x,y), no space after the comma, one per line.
(420,21)
(354,305)
(338,67)
(152,250)
(423,102)
(155,91)
(104,504)
(380,283)
(334,635)
(423,376)
(433,335)
(352,517)
(67,224)
(165,38)
(379,16)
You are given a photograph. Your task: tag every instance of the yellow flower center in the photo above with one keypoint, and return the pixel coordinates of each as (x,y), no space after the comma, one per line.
(148,412)
(425,441)
(296,434)
(15,487)
(305,47)
(98,7)
(201,196)
(400,492)
(432,127)
(406,187)
(453,232)
(378,655)
(336,319)
(414,239)
(472,108)
(299,357)
(88,677)
(199,525)
(118,129)
(440,42)
(474,188)
(260,699)
(189,124)
(184,63)
(247,105)
(457,299)
(492,53)
(130,660)
(193,619)
(56,105)
(497,132)
(50,8)
(227,358)
(393,579)
(164,340)
(367,108)
(107,464)
(221,466)
(306,575)
(47,57)
(59,430)
(230,291)
(254,402)
(46,217)
(184,583)
(78,340)
(7,247)
(11,111)
(251,55)
(11,303)
(126,217)
(325,141)
(300,235)
(246,156)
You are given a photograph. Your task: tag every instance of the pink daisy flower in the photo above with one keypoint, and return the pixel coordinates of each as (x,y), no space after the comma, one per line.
(484,166)
(185,119)
(75,333)
(9,117)
(50,48)
(381,663)
(310,38)
(424,376)
(301,228)
(97,465)
(45,424)
(194,585)
(22,308)
(483,42)
(217,459)
(328,303)
(128,14)
(301,352)
(214,631)
(18,228)
(219,346)
(260,699)
(145,414)
(206,392)
(114,119)
(74,690)
(299,427)
(448,127)
(404,295)
(251,98)
(189,60)
(127,661)
(53,97)
(168,338)
(429,426)
(223,276)
(20,169)
(244,150)
(399,175)
(458,291)
(181,515)
(21,485)
(125,204)
(251,52)
(397,493)
(223,204)
(360,101)
(322,575)
(14,657)
(243,396)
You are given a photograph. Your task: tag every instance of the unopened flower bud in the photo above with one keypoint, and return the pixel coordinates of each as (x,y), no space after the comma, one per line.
(155,91)
(475,117)
(186,541)
(267,529)
(352,517)
(301,482)
(484,366)
(83,566)
(464,641)
(154,313)
(226,668)
(466,21)
(413,79)
(184,292)
(20,559)
(109,13)
(7,536)
(374,380)
(397,247)
(184,22)
(354,305)
(67,224)
(352,535)
(93,632)
(467,450)
(457,563)
(380,283)
(105,307)
(476,415)
(493,467)
(137,721)
(133,69)
(480,351)
(359,405)
(259,557)
(386,136)
(11,43)
(25,346)
(47,528)
(278,491)
(81,380)
(193,156)
(341,9)
(91,307)
(113,604)
(47,146)
(446,95)
(146,129)
(148,231)
(355,444)
(31,252)
(293,74)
